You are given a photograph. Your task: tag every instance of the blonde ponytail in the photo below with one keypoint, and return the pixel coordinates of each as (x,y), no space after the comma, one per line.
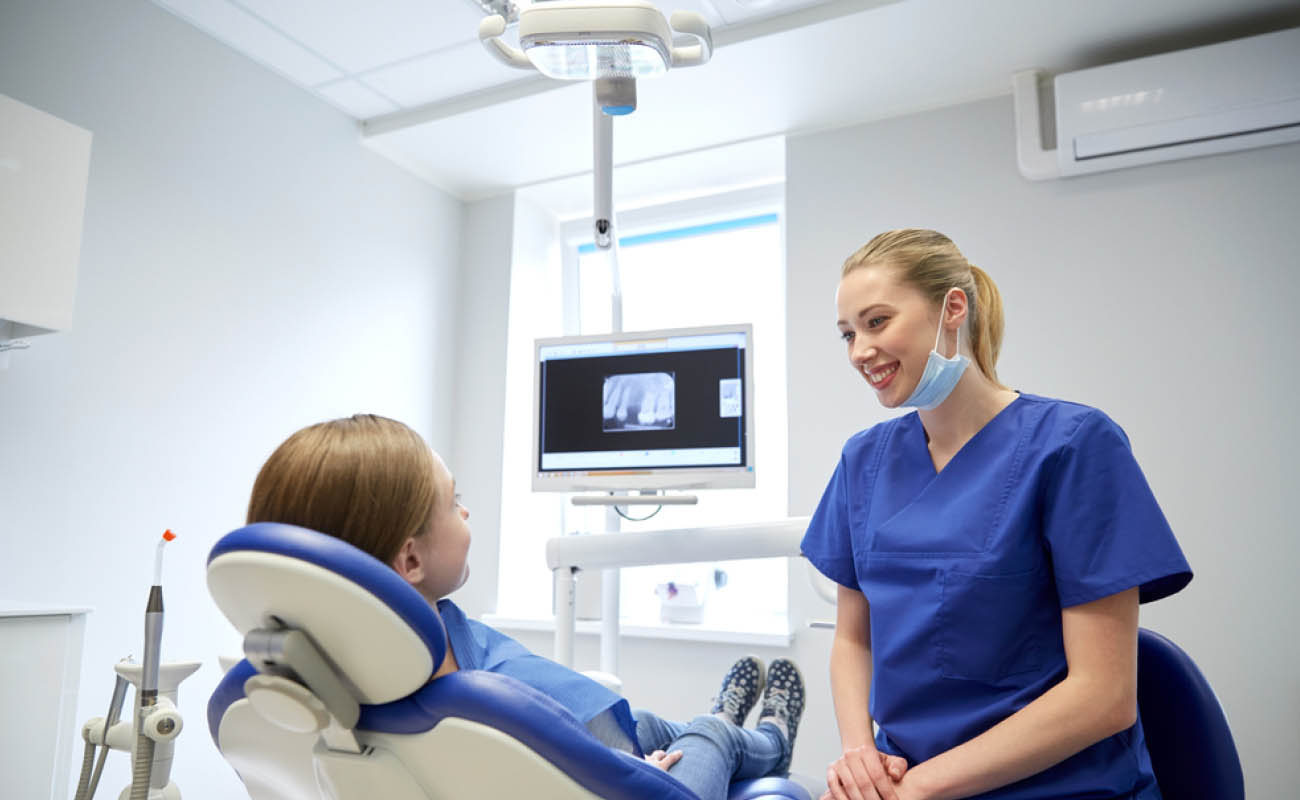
(986,324)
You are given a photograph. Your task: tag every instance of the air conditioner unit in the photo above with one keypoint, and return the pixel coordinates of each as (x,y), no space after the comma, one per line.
(1213,99)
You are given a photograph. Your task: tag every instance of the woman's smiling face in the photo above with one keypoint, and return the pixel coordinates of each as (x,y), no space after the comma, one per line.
(889,330)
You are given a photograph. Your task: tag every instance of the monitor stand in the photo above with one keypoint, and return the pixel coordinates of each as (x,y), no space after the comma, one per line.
(609,581)
(642,499)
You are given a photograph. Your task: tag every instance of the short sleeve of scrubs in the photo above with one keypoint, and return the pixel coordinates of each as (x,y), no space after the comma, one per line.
(828,543)
(1102,525)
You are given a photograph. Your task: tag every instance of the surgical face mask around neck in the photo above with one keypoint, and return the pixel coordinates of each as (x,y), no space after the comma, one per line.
(940,376)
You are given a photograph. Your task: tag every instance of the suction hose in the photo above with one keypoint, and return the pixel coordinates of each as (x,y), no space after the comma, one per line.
(83,783)
(114,713)
(89,782)
(142,768)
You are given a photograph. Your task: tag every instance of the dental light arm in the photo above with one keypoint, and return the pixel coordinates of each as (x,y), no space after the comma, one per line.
(490,31)
(603,150)
(692,24)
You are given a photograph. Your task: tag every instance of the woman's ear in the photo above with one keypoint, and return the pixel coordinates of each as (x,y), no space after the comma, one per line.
(955,308)
(408,562)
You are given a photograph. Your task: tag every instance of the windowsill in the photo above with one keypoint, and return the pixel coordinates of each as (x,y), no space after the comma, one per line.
(774,631)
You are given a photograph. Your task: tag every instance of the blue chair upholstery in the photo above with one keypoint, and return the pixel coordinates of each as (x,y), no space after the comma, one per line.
(525,716)
(1192,751)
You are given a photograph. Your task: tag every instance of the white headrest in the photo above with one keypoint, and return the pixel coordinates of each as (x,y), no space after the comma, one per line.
(376,651)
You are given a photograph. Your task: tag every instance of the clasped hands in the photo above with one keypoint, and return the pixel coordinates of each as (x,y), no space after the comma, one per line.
(865,773)
(862,773)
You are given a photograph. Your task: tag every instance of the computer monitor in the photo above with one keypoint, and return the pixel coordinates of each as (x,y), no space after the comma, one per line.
(670,409)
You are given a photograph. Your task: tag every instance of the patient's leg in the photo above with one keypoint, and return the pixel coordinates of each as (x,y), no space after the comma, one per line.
(655,733)
(716,752)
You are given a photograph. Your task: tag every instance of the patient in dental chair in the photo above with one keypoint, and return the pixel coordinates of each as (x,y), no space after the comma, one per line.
(374,483)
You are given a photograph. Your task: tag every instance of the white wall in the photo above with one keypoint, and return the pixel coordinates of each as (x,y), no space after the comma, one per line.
(1161,295)
(479,387)
(247,268)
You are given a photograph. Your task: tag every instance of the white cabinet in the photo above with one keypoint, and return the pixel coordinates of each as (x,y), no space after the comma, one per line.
(40,670)
(44,166)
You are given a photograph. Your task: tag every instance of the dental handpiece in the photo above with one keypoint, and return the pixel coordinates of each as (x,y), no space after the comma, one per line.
(148,689)
(153,626)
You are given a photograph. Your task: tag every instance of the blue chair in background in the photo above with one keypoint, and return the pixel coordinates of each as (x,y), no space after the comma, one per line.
(335,700)
(1192,752)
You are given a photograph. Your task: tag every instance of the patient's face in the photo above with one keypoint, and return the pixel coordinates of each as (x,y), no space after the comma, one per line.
(445,548)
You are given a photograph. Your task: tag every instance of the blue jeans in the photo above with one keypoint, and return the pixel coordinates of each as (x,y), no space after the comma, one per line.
(714,752)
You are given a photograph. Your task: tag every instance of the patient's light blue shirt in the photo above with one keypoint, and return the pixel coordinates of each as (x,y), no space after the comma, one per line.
(966,572)
(477,646)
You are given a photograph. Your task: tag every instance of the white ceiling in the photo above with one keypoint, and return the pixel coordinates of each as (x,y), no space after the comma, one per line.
(432,99)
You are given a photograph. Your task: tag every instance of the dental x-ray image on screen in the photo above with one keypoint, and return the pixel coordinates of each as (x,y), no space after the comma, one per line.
(645,401)
(646,410)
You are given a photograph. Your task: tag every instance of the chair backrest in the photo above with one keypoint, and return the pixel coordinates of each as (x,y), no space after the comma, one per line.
(470,733)
(1187,734)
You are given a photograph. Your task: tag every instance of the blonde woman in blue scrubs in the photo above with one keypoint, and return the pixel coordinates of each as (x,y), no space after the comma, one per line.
(991,547)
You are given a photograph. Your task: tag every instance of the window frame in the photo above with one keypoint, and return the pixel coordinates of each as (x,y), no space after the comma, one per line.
(666,217)
(670,215)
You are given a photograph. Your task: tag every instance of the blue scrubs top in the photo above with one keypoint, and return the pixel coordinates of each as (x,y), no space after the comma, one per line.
(966,572)
(477,646)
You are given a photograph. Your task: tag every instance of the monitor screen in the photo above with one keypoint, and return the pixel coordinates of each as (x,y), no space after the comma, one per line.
(651,410)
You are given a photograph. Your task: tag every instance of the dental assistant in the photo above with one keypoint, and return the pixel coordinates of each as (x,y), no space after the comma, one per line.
(991,549)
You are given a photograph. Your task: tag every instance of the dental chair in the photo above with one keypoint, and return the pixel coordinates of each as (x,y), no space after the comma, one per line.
(334,699)
(1192,752)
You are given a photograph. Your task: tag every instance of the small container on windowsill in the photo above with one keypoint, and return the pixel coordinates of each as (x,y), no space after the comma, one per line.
(681,602)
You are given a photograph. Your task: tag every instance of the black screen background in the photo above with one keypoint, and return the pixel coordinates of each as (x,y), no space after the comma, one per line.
(572,397)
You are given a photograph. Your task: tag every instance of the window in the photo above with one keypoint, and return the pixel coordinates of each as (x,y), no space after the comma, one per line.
(708,262)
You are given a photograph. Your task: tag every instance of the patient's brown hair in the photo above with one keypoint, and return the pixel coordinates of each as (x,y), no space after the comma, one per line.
(366,479)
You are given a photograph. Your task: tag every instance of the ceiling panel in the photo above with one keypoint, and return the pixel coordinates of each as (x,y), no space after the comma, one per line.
(254,39)
(759,162)
(358,35)
(356,99)
(448,73)
(501,146)
(737,11)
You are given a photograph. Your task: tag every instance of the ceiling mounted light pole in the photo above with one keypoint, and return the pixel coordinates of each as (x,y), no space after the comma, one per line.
(611,44)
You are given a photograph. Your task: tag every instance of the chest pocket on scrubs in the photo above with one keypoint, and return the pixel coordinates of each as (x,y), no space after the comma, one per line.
(988,624)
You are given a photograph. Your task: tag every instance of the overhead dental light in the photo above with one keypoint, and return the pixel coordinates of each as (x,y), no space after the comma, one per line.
(616,41)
